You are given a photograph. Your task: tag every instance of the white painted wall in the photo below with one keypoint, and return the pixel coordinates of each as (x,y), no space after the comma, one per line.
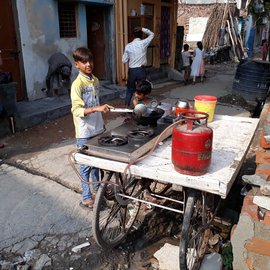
(197,26)
(39,32)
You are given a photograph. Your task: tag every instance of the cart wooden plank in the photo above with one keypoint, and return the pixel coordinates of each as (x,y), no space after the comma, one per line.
(232,138)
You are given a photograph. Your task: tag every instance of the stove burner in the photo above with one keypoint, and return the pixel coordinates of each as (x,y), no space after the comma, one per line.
(112,140)
(130,151)
(140,133)
(138,137)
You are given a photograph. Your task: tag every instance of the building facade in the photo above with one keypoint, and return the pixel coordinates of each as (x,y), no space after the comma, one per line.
(36,29)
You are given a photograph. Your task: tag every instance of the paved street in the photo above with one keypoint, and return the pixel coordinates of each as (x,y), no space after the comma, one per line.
(32,205)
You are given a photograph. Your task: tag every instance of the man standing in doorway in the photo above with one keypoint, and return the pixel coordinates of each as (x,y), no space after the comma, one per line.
(135,54)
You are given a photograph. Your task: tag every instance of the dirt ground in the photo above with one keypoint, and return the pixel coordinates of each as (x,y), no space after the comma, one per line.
(39,137)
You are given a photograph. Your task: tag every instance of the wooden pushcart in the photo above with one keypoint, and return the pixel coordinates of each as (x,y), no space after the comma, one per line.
(116,206)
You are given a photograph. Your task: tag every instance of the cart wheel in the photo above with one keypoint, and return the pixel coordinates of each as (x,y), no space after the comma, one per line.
(195,233)
(113,218)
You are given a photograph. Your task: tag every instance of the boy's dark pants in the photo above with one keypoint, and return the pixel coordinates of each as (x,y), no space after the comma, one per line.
(134,75)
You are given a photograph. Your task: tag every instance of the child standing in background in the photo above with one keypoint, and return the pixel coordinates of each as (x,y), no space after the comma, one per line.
(186,57)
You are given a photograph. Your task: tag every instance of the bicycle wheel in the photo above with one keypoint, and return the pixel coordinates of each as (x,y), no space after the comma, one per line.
(113,214)
(195,232)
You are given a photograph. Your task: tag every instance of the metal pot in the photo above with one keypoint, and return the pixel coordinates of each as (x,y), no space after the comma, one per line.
(150,119)
(182,103)
(181,106)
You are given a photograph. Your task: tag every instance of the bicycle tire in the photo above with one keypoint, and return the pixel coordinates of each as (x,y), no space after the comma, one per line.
(112,221)
(191,250)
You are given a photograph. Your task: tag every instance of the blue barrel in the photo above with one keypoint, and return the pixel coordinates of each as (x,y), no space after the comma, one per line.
(252,79)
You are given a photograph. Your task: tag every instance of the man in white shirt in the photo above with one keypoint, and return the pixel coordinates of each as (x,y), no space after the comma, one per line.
(135,55)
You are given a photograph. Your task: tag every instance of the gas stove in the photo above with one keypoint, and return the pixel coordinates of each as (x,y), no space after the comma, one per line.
(127,142)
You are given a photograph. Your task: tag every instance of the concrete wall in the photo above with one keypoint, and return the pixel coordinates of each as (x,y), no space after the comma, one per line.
(39,34)
(197,28)
(39,31)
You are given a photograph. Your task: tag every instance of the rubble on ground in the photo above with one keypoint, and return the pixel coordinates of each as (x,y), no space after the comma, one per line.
(236,100)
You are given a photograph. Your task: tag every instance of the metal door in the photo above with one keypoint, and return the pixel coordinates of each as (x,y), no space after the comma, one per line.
(96,40)
(10,52)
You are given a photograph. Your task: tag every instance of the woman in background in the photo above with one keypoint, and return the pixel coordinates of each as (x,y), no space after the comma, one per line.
(198,65)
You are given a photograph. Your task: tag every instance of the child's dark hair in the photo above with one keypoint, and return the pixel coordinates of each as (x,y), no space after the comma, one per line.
(82,54)
(199,44)
(144,87)
(137,34)
(186,47)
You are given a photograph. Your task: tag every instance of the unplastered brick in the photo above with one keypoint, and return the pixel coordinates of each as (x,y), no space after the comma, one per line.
(263,170)
(259,246)
(263,142)
(262,157)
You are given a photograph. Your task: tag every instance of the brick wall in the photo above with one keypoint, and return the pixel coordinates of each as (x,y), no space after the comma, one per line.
(186,11)
(251,236)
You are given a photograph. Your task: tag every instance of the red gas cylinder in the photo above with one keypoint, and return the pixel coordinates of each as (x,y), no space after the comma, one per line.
(192,144)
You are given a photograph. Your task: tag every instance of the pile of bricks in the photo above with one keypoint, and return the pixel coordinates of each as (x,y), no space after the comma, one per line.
(251,236)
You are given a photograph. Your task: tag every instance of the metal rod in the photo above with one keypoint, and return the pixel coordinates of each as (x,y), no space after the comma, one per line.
(154,204)
(166,198)
(12,125)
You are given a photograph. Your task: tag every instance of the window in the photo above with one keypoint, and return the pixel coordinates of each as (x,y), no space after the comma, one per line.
(67,19)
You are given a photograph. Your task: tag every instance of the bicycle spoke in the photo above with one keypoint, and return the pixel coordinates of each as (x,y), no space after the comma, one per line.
(112,218)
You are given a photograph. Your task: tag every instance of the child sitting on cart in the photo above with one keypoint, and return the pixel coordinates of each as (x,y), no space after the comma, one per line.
(142,95)
(87,117)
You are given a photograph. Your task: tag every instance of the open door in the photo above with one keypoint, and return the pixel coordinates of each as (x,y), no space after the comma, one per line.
(9,47)
(165,35)
(96,39)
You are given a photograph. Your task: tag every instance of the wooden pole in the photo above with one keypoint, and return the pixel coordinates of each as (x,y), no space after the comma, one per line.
(234,35)
(224,14)
(121,38)
(125,25)
(268,54)
(230,33)
(173,31)
(117,42)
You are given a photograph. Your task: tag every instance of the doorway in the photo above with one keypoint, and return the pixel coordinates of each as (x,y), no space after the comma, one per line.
(96,39)
(10,52)
(165,45)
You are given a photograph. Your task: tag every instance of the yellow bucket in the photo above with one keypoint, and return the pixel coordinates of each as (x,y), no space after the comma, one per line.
(206,104)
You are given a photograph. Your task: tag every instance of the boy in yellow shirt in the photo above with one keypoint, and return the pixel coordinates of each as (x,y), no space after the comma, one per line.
(87,116)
